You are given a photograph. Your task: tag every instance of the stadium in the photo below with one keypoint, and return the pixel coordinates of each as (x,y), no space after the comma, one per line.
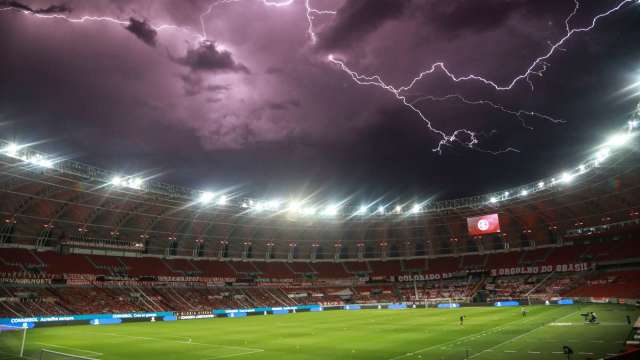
(104,263)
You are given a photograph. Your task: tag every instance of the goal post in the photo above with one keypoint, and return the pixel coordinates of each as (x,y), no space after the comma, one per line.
(46,354)
(12,341)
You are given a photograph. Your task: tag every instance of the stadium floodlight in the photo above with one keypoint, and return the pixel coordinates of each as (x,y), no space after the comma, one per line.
(566,177)
(633,124)
(41,161)
(362,210)
(416,209)
(493,200)
(524,192)
(135,183)
(398,209)
(117,181)
(309,211)
(540,184)
(617,140)
(295,206)
(381,210)
(602,155)
(272,204)
(331,210)
(222,200)
(259,206)
(12,149)
(206,197)
(46,163)
(582,168)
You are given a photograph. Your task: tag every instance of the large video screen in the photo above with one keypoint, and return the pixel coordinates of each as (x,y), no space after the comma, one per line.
(482,225)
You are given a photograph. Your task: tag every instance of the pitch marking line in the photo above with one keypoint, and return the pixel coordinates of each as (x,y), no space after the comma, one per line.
(470,336)
(70,348)
(239,354)
(252,350)
(521,335)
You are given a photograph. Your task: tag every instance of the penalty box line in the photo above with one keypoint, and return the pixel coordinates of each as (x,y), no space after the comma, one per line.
(521,335)
(71,348)
(493,329)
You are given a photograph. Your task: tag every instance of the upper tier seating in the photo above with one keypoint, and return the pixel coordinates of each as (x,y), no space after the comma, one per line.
(142,266)
(473,261)
(385,268)
(301,267)
(19,256)
(275,270)
(330,270)
(503,260)
(181,265)
(219,269)
(67,264)
(246,267)
(356,266)
(447,264)
(415,265)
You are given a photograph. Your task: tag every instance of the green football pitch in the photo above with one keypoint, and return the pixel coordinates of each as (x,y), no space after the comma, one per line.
(487,333)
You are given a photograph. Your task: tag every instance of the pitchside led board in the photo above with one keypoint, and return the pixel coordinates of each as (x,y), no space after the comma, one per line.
(483,225)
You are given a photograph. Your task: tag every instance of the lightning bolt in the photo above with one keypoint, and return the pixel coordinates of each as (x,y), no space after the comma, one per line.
(537,67)
(520,114)
(311,13)
(445,139)
(88,18)
(465,137)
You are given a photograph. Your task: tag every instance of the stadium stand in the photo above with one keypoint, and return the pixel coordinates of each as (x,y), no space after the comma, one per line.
(95,251)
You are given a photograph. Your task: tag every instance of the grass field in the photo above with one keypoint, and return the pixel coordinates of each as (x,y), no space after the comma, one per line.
(488,333)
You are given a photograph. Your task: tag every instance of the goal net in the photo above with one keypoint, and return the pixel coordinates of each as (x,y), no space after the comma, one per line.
(443,302)
(46,354)
(12,341)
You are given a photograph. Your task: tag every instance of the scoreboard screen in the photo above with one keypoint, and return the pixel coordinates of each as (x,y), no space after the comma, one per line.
(483,225)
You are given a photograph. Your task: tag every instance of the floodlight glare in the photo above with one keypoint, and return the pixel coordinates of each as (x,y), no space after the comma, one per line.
(135,183)
(415,209)
(381,210)
(295,206)
(12,149)
(331,210)
(618,139)
(46,163)
(116,181)
(308,211)
(566,178)
(222,200)
(363,210)
(493,200)
(541,184)
(398,209)
(272,204)
(206,197)
(41,161)
(602,154)
(524,193)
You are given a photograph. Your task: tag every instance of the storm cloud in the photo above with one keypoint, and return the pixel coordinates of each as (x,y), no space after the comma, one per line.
(209,57)
(143,31)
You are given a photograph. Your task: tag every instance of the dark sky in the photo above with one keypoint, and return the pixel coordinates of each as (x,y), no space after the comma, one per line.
(260,107)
